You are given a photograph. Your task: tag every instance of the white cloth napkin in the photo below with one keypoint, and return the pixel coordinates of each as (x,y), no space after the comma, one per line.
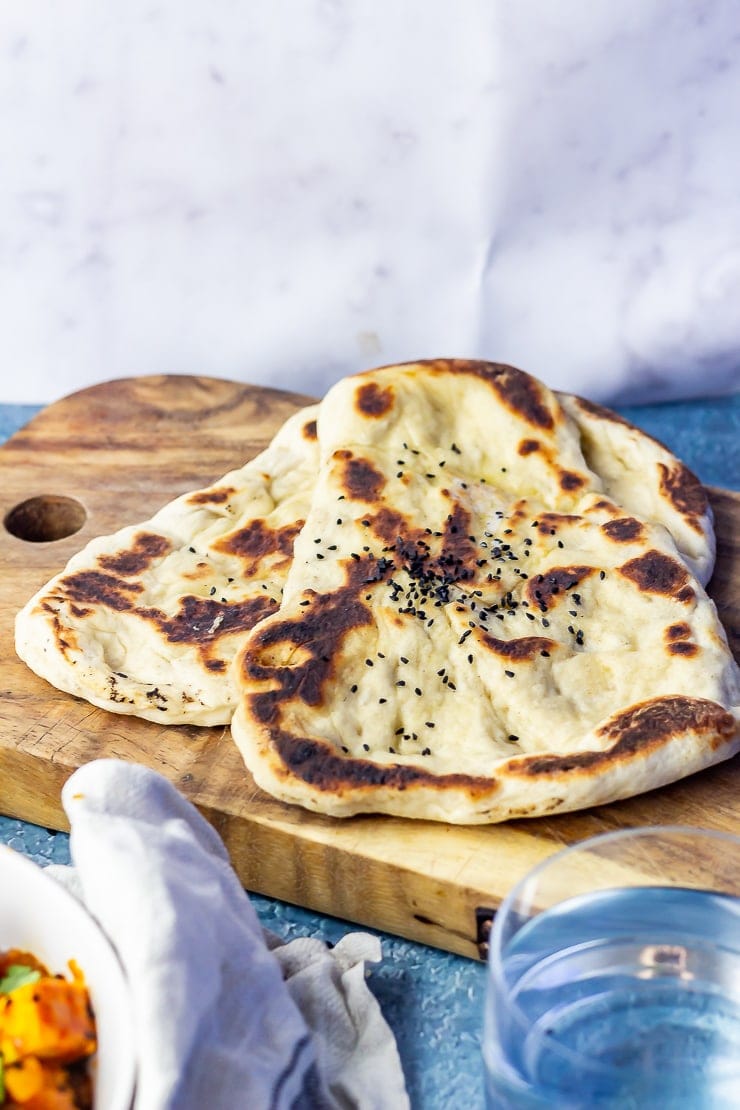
(225,1017)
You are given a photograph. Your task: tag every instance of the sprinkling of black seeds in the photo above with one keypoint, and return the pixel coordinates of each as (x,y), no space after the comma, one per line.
(401,682)
(341,497)
(571,629)
(398,731)
(441,463)
(382,701)
(353,689)
(344,749)
(429,724)
(560,543)
(509,674)
(339,520)
(470,659)
(572,612)
(213,590)
(579,637)
(513,738)
(545,622)
(317,541)
(417,691)
(368,663)
(365,523)
(451,686)
(366,747)
(332,547)
(546,654)
(319,555)
(191,550)
(464,636)
(602,575)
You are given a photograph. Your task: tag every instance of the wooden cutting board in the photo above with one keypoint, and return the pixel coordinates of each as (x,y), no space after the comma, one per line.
(110,456)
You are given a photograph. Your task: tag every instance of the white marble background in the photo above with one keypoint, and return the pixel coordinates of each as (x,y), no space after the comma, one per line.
(289,190)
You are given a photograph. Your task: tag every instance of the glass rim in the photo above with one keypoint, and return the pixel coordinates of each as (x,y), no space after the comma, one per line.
(494,970)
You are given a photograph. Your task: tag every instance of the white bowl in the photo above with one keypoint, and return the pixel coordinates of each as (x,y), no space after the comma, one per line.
(41,917)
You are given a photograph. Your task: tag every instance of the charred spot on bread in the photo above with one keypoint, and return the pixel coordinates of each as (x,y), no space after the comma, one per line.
(211,496)
(374,400)
(145,549)
(684,491)
(624,529)
(657,573)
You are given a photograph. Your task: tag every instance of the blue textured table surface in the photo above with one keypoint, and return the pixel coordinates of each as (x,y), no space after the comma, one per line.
(432,1000)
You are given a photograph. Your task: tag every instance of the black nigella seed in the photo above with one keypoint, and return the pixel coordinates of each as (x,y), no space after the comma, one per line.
(304,602)
(560,543)
(332,547)
(345,749)
(546,654)
(353,555)
(399,731)
(545,622)
(602,575)
(417,691)
(319,555)
(191,550)
(353,688)
(509,674)
(573,612)
(392,750)
(366,523)
(339,520)
(369,663)
(426,751)
(429,724)
(213,590)
(401,682)
(455,448)
(366,747)
(382,701)
(403,659)
(317,541)
(470,659)
(513,738)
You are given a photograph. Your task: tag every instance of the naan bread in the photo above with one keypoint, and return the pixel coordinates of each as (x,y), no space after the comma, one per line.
(147,621)
(478,623)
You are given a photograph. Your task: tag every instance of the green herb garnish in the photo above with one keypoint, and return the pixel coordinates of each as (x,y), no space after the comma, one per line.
(18,975)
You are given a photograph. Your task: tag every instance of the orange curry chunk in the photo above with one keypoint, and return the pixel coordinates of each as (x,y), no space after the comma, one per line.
(50,1018)
(36,1085)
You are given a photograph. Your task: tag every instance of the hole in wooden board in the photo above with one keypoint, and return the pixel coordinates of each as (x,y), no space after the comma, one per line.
(45,518)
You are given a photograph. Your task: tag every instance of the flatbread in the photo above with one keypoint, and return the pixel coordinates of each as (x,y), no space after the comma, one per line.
(148,620)
(477,624)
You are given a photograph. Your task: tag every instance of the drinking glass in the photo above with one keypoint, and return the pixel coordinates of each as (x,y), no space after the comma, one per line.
(614,977)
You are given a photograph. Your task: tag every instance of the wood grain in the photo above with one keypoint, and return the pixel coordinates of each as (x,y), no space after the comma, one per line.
(122,449)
